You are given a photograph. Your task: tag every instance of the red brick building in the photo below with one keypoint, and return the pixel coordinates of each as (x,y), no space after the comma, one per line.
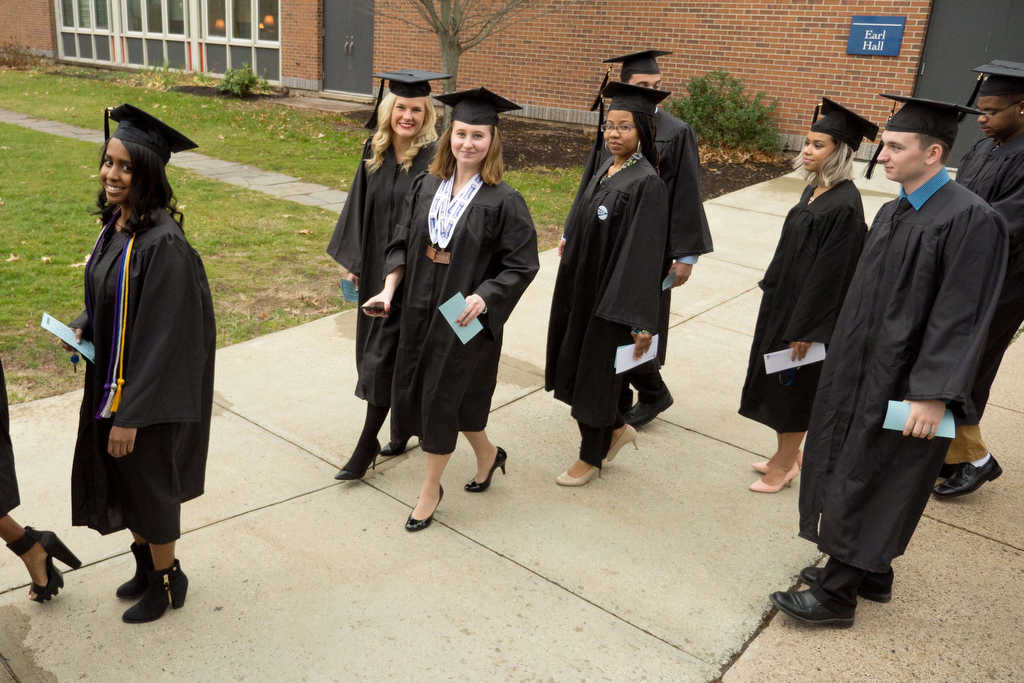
(548,56)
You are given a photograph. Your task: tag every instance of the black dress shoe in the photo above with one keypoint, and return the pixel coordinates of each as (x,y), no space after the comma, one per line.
(642,413)
(804,606)
(393,448)
(810,576)
(475,486)
(948,470)
(969,479)
(164,588)
(421,524)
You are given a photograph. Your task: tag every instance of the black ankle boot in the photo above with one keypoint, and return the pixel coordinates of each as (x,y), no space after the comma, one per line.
(136,586)
(165,587)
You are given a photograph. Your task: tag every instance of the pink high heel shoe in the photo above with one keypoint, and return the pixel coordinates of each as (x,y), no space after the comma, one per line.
(760,486)
(762,465)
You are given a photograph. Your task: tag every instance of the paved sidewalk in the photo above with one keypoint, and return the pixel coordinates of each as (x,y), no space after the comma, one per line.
(243,175)
(659,570)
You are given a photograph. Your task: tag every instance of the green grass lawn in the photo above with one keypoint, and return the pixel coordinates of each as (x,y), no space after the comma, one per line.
(313,146)
(264,257)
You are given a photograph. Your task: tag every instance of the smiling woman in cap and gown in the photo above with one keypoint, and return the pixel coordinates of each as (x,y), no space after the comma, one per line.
(401,147)
(144,425)
(994,170)
(608,288)
(464,232)
(804,286)
(688,235)
(912,328)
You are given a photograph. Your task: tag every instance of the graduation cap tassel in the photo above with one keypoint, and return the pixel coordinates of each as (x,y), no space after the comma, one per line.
(106,123)
(817,111)
(974,94)
(878,150)
(599,99)
(371,123)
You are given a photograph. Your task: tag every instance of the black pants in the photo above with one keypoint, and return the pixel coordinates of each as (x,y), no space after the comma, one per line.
(594,441)
(839,582)
(646,379)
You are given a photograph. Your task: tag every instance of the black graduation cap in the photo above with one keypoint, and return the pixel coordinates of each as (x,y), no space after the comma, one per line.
(477,106)
(842,124)
(626,97)
(404,83)
(135,125)
(928,117)
(1001,78)
(643,62)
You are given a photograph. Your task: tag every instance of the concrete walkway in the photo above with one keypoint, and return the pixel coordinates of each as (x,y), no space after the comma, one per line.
(274,184)
(660,570)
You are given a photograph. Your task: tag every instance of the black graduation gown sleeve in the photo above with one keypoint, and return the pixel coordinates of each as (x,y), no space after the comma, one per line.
(632,294)
(170,337)
(516,252)
(346,246)
(395,254)
(972,266)
(8,481)
(822,292)
(679,167)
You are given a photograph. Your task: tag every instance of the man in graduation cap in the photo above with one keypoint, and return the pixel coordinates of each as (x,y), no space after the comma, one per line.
(993,170)
(688,233)
(912,328)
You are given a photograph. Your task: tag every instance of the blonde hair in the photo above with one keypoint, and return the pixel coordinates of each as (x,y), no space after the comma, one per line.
(381,140)
(493,168)
(837,167)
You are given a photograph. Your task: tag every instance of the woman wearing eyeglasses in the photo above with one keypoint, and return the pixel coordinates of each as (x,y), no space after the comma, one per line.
(608,288)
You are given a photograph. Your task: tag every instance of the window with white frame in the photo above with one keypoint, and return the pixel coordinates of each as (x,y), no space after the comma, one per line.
(85,31)
(238,32)
(155,33)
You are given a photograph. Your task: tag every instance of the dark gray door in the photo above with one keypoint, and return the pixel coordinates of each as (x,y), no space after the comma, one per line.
(348,45)
(961,36)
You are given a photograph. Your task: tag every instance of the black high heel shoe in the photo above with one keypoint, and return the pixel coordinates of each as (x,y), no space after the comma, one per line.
(394,447)
(421,524)
(475,486)
(54,548)
(357,465)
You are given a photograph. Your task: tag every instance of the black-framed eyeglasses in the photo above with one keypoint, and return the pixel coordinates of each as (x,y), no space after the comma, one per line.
(625,128)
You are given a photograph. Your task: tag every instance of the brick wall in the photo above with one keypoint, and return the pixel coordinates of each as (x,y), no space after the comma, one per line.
(301,43)
(28,24)
(793,50)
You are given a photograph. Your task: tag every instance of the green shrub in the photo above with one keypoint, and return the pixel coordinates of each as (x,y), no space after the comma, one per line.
(723,115)
(241,82)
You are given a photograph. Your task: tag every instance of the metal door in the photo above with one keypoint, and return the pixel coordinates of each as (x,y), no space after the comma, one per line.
(961,36)
(348,46)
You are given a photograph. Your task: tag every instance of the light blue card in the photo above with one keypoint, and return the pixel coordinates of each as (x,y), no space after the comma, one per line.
(898,412)
(451,310)
(669,280)
(64,333)
(349,291)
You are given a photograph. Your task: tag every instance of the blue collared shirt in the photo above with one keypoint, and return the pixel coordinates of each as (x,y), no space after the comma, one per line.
(918,197)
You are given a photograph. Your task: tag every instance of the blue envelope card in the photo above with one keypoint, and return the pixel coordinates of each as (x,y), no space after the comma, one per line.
(451,310)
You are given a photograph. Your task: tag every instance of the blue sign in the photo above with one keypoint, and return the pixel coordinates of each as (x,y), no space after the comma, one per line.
(876,36)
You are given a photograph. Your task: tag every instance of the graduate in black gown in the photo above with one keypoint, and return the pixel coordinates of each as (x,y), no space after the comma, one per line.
(463,232)
(608,288)
(401,147)
(37,549)
(688,233)
(913,328)
(144,426)
(804,286)
(994,170)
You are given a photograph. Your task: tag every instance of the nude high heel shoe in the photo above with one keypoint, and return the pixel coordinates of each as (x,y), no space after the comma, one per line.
(628,435)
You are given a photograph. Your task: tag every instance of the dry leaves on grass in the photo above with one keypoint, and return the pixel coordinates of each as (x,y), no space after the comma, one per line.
(724,155)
